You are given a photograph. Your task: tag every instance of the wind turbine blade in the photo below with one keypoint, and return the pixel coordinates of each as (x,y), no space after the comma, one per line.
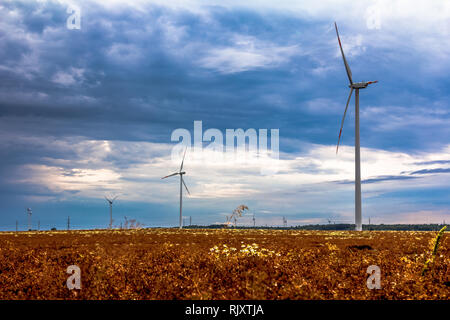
(343,118)
(114,198)
(182,180)
(347,68)
(181,168)
(170,175)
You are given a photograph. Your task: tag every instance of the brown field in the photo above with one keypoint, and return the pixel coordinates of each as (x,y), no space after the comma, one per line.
(221,264)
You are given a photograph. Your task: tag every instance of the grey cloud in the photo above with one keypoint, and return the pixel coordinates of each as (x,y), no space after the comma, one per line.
(432,162)
(377,179)
(427,171)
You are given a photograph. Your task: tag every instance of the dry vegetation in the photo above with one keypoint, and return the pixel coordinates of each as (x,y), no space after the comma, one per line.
(222,264)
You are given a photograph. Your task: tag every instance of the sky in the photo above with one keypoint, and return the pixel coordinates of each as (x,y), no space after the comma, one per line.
(89,112)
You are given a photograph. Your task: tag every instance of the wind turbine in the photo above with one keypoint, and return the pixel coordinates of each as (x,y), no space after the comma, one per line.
(182,183)
(110,201)
(354,86)
(29,212)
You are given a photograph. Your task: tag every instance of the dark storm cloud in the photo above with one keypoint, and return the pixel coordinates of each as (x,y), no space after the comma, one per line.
(133,74)
(137,75)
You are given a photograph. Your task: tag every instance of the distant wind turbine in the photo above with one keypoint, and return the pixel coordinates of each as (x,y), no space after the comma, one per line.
(182,183)
(110,201)
(354,86)
(29,213)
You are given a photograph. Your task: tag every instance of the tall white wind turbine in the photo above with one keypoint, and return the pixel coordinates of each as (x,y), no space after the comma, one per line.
(110,201)
(182,183)
(354,86)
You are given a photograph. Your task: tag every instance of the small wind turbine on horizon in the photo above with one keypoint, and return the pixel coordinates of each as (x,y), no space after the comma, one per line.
(354,86)
(182,183)
(29,213)
(110,201)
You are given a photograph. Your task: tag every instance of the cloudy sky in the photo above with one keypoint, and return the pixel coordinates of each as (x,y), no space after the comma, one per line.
(90,112)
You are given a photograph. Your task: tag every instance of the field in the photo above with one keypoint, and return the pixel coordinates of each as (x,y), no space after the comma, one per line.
(222,264)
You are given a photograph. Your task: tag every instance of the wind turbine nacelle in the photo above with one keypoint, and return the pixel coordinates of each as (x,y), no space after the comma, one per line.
(361,85)
(183,172)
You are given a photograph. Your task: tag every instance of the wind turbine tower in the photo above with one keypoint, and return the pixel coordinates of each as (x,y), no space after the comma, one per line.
(110,201)
(182,183)
(254,221)
(29,212)
(354,86)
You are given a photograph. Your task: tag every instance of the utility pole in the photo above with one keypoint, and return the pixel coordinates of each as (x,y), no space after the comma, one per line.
(68,222)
